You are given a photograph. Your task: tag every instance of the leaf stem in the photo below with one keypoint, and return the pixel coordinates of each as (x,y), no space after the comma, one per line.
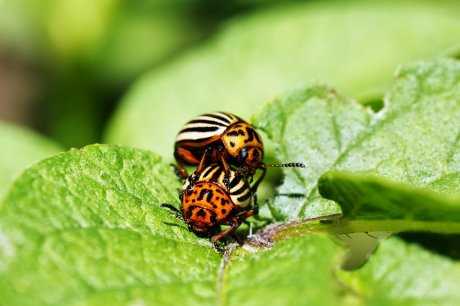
(362,226)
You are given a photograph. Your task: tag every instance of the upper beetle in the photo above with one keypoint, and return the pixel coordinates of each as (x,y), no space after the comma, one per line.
(219,137)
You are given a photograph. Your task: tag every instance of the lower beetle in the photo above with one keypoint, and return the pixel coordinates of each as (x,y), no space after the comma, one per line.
(210,198)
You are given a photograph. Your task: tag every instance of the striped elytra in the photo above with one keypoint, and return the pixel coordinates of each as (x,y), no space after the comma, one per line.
(205,128)
(219,137)
(237,186)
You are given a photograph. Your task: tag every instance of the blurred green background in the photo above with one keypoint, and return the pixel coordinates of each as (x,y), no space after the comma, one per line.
(82,71)
(64,65)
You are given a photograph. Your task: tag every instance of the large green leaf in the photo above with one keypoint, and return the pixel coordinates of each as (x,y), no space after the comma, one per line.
(414,139)
(374,204)
(304,271)
(313,126)
(401,274)
(85,228)
(295,271)
(19,149)
(353,45)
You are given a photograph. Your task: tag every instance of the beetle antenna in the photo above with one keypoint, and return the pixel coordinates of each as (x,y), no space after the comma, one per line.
(291,195)
(173,210)
(287,165)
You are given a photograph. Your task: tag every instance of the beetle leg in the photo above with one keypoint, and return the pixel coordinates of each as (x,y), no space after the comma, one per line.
(237,239)
(255,204)
(249,224)
(259,179)
(177,213)
(246,214)
(226,170)
(179,170)
(234,223)
(219,247)
(204,159)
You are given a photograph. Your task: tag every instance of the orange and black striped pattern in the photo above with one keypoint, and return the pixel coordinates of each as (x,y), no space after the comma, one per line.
(206,127)
(238,187)
(225,135)
(227,151)
(206,206)
(208,201)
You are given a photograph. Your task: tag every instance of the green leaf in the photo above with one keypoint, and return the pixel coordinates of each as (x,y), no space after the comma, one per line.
(85,228)
(354,46)
(402,274)
(313,126)
(143,35)
(20,148)
(413,140)
(296,271)
(374,204)
(305,271)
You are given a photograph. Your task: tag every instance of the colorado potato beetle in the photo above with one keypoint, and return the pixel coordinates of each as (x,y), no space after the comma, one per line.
(207,202)
(219,137)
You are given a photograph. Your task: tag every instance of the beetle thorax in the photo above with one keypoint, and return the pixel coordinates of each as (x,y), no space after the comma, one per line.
(238,136)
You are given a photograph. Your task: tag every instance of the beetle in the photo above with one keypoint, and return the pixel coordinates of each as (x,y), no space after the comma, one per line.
(207,202)
(219,137)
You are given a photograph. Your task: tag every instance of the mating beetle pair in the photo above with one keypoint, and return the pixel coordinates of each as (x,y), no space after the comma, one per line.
(227,152)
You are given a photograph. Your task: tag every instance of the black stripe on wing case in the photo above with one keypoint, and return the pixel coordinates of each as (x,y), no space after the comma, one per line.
(204,121)
(215,175)
(239,190)
(206,172)
(200,129)
(244,197)
(234,182)
(218,117)
(212,172)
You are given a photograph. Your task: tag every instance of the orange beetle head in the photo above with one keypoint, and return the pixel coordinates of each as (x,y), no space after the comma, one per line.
(200,221)
(251,157)
(197,208)
(199,228)
(244,145)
